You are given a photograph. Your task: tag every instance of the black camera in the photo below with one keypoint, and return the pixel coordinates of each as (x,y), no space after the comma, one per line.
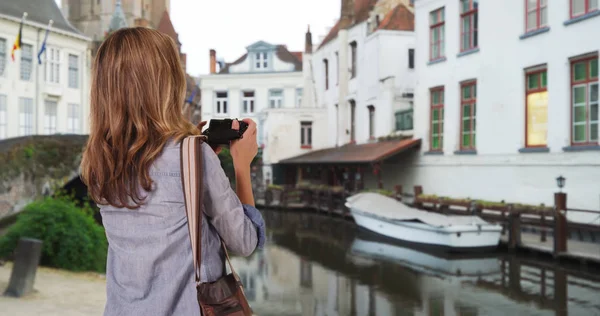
(219,131)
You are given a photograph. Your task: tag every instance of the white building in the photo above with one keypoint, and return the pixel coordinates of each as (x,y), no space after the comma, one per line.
(47,98)
(266,84)
(507,101)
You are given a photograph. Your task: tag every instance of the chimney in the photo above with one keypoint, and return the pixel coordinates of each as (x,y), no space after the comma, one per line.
(213,61)
(308,45)
(347,14)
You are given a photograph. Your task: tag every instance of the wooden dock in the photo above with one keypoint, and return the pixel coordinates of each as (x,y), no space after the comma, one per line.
(583,252)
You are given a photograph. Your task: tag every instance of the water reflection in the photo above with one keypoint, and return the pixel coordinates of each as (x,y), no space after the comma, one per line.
(319,266)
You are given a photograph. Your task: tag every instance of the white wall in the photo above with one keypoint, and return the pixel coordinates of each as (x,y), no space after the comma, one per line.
(37,88)
(498,171)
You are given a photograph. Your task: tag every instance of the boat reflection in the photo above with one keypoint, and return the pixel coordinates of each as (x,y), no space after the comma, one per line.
(316,266)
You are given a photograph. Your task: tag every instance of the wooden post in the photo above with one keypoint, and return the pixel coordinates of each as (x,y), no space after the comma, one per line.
(514,275)
(543,225)
(418,192)
(398,190)
(514,228)
(560,291)
(27,259)
(560,223)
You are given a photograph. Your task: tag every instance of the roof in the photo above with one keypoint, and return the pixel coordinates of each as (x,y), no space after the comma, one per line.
(361,14)
(398,19)
(118,20)
(282,53)
(39,11)
(166,26)
(364,153)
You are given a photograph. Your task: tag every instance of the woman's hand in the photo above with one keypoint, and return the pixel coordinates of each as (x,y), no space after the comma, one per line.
(200,126)
(245,149)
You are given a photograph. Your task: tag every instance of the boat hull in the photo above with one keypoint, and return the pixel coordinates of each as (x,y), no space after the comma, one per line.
(451,238)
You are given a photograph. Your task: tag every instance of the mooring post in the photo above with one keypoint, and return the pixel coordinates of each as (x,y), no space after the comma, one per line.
(514,228)
(27,259)
(418,192)
(560,223)
(398,189)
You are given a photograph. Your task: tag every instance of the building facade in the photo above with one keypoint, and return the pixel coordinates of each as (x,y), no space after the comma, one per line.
(266,85)
(43,93)
(507,101)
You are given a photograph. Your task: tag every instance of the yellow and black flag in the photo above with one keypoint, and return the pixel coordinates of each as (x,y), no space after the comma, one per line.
(17,44)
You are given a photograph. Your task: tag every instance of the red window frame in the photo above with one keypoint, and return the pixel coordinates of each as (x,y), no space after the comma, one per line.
(326,63)
(472,101)
(472,15)
(538,15)
(588,79)
(529,91)
(440,15)
(440,107)
(586,11)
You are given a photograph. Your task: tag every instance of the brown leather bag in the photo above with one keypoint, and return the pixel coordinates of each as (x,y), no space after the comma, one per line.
(226,295)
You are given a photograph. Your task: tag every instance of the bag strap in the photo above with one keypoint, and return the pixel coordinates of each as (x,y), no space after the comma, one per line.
(192,184)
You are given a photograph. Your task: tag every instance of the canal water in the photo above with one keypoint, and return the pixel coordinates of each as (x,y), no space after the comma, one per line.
(314,265)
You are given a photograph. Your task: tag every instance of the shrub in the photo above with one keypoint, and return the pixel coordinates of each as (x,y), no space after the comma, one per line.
(71,238)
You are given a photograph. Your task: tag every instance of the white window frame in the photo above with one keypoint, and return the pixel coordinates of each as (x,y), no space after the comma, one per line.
(73,71)
(3,54)
(299,94)
(25,116)
(306,134)
(221,103)
(26,67)
(73,122)
(50,115)
(52,65)
(261,60)
(275,101)
(3,116)
(248,102)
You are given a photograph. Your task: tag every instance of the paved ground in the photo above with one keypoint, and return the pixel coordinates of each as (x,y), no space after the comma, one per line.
(57,293)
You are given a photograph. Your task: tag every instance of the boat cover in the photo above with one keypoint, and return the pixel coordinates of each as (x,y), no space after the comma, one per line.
(386,207)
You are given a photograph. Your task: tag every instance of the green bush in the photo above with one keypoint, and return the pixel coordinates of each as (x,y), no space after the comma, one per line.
(71,238)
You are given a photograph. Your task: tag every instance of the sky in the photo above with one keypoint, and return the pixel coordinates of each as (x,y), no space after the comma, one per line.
(229,26)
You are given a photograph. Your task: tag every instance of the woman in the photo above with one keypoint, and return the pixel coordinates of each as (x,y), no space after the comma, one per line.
(131,166)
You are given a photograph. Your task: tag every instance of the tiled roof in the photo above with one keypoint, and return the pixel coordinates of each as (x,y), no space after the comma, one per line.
(166,26)
(39,11)
(361,13)
(364,153)
(298,55)
(282,53)
(398,19)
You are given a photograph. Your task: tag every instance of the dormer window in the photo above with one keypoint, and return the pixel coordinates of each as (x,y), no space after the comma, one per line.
(261,61)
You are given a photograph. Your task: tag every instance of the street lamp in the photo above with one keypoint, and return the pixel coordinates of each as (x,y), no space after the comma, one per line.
(560,182)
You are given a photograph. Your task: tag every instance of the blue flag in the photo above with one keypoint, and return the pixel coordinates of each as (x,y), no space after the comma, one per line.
(43,47)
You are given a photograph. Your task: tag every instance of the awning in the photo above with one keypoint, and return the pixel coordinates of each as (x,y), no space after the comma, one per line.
(355,154)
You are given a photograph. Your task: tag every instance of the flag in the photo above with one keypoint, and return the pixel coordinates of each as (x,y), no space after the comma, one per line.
(43,48)
(191,99)
(17,44)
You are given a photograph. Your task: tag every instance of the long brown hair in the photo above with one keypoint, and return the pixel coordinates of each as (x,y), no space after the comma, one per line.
(137,93)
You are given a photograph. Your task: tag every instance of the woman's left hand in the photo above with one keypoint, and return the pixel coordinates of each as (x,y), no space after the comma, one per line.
(200,126)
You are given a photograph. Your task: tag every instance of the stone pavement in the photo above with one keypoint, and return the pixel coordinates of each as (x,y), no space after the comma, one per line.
(57,292)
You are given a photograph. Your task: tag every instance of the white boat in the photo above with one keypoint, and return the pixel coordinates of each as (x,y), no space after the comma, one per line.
(394,219)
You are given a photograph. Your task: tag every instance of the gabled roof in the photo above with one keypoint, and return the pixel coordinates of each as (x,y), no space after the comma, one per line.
(281,52)
(361,14)
(39,11)
(166,26)
(398,19)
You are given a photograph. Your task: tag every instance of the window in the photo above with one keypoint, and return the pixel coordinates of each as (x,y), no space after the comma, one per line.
(275,99)
(306,134)
(436,34)
(371,121)
(437,119)
(411,58)
(3,115)
(468,106)
(25,116)
(50,117)
(73,126)
(26,61)
(352,121)
(261,61)
(221,103)
(536,14)
(299,92)
(353,56)
(248,101)
(404,120)
(52,65)
(2,56)
(584,91)
(73,71)
(581,7)
(536,123)
(337,68)
(326,67)
(468,17)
